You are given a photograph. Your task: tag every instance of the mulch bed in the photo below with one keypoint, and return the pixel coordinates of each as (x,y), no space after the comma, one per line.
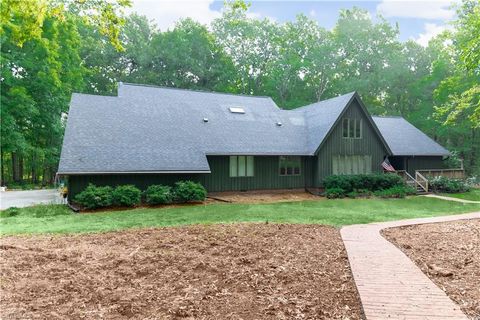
(263,196)
(240,271)
(449,253)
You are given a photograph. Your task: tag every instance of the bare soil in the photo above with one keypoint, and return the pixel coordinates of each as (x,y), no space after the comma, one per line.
(264,196)
(448,253)
(241,271)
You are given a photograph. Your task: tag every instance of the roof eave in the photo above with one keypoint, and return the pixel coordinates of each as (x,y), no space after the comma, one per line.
(72,173)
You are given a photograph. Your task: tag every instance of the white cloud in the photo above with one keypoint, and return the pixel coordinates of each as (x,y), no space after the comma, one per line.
(431,30)
(312,13)
(433,9)
(166,12)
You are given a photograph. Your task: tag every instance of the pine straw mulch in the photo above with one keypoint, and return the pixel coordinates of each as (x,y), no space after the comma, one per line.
(448,253)
(240,271)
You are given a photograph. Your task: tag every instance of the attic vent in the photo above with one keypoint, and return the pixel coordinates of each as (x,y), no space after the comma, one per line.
(279,124)
(236,110)
(205,119)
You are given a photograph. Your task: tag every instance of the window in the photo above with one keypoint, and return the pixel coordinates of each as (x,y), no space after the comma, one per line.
(351,164)
(352,128)
(241,166)
(290,165)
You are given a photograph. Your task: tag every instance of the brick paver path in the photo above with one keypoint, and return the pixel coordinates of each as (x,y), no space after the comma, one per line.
(390,285)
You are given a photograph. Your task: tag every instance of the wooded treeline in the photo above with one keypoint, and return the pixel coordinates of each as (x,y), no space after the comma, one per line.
(50,48)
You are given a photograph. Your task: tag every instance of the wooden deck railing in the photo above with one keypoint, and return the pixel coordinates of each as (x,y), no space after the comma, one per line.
(421,181)
(448,173)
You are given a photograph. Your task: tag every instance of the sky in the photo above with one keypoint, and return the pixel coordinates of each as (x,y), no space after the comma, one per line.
(417,20)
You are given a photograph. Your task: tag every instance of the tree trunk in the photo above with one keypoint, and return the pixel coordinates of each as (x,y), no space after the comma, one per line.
(20,167)
(2,177)
(15,168)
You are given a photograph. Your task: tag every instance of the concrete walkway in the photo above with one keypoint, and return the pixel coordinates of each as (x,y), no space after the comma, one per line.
(28,198)
(449,198)
(390,285)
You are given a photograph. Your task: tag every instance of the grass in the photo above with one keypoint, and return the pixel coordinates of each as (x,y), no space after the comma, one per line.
(473,194)
(59,219)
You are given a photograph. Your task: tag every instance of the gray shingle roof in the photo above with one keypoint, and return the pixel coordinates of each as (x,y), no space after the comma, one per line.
(154,129)
(406,140)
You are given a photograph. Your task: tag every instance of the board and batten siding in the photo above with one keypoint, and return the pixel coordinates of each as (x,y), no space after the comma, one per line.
(369,145)
(266,176)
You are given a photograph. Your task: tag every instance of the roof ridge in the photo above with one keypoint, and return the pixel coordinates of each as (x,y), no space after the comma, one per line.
(192,90)
(314,103)
(388,116)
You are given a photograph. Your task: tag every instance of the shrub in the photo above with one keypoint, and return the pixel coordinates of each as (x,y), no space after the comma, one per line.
(95,197)
(127,195)
(395,192)
(370,182)
(185,191)
(444,184)
(352,195)
(335,193)
(10,212)
(158,194)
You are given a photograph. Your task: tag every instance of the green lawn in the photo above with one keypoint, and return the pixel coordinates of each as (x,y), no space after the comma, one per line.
(473,194)
(59,219)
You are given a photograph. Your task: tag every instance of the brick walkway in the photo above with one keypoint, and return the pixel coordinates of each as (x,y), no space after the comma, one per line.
(389,283)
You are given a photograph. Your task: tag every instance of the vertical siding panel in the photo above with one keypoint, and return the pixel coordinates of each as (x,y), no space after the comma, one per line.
(370,144)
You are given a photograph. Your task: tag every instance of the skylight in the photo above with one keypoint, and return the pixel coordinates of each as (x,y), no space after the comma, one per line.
(236,110)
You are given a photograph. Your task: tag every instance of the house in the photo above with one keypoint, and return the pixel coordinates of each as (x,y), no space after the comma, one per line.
(153,135)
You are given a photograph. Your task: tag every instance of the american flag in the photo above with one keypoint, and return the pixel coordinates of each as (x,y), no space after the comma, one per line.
(387,166)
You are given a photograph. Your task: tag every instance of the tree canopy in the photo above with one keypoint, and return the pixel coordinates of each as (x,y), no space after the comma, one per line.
(51,48)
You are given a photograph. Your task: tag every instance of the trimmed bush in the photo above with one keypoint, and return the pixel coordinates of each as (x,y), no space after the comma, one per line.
(444,184)
(95,197)
(369,182)
(158,194)
(335,193)
(395,192)
(185,191)
(127,195)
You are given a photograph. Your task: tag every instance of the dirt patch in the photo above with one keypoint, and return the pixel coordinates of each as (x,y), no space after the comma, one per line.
(263,196)
(241,271)
(449,253)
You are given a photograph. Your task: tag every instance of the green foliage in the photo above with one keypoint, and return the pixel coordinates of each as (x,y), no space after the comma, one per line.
(335,193)
(395,192)
(94,197)
(362,182)
(448,185)
(159,194)
(38,211)
(89,45)
(189,191)
(10,212)
(352,195)
(126,195)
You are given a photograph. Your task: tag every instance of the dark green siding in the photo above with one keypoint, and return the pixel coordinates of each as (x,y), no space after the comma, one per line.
(411,164)
(370,144)
(422,163)
(266,176)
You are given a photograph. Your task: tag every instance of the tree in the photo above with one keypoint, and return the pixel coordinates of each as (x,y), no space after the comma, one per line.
(252,45)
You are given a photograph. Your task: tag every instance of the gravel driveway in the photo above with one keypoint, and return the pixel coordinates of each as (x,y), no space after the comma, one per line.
(28,198)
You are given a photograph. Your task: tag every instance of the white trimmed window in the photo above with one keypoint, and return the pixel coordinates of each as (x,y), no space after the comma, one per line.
(352,128)
(241,166)
(290,165)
